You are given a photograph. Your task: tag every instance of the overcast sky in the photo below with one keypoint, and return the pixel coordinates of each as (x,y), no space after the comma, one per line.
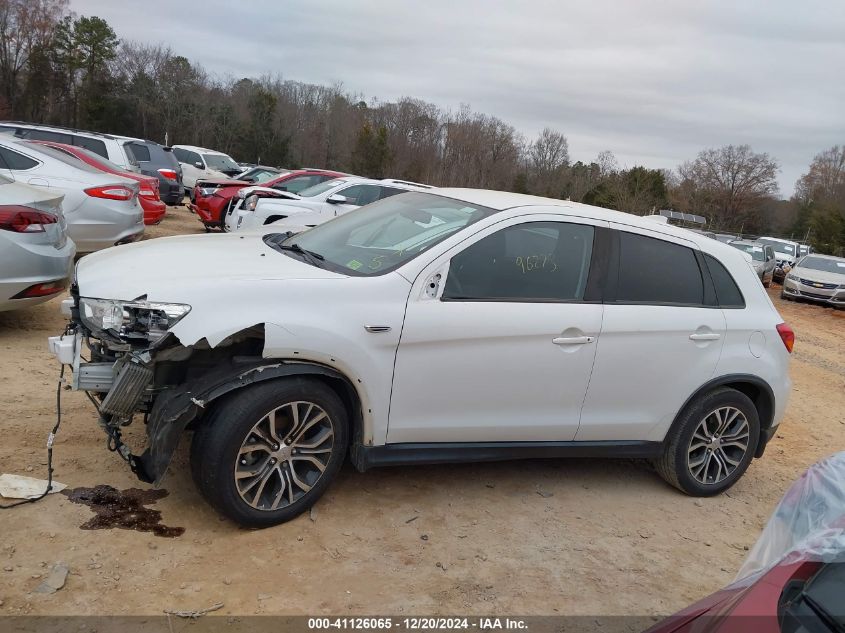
(653,81)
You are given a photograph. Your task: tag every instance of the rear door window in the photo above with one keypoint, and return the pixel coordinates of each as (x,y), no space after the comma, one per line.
(49,135)
(654,271)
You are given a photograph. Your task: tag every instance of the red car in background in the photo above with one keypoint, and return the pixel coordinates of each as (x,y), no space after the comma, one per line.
(213,197)
(794,578)
(148,194)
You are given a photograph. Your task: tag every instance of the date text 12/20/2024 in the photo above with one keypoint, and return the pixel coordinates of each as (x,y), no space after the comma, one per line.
(417,624)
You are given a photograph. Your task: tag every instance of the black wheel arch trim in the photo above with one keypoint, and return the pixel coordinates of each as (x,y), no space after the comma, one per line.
(176,408)
(764,401)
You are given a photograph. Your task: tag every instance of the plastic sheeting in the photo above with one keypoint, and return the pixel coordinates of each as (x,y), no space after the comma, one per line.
(808,523)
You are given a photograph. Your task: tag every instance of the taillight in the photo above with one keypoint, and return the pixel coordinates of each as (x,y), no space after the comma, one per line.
(42,290)
(22,219)
(147,193)
(787,336)
(111,192)
(170,174)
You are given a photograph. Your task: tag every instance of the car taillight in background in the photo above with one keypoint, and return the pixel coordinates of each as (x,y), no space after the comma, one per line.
(787,336)
(111,192)
(22,219)
(170,174)
(42,289)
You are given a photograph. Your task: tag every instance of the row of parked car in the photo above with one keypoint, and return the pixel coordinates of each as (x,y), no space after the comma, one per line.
(803,273)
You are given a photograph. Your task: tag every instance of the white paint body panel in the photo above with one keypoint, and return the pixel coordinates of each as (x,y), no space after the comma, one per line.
(463,371)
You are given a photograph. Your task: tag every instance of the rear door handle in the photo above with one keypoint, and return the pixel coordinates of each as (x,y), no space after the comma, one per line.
(573,340)
(712,336)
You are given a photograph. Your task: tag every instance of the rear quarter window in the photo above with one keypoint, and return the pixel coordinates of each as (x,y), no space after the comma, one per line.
(140,151)
(728,293)
(14,161)
(94,144)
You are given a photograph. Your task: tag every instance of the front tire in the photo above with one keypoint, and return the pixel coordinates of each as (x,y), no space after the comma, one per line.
(268,452)
(711,444)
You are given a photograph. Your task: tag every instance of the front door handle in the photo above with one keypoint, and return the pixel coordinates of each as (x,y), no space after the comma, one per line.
(573,340)
(711,336)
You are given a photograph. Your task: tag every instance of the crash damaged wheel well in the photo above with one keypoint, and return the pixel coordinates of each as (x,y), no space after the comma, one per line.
(190,381)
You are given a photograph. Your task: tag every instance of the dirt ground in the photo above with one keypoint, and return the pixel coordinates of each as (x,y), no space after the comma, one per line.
(543,537)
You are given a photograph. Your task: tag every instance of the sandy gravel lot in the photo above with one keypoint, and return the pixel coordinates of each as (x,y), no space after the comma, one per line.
(543,537)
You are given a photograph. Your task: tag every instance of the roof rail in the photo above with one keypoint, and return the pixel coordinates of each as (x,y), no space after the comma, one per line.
(408,183)
(57,127)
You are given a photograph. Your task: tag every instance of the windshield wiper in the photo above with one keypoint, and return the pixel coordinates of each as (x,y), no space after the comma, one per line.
(314,258)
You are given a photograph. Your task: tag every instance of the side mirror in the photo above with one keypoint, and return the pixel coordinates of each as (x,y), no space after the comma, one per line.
(250,179)
(336,198)
(199,165)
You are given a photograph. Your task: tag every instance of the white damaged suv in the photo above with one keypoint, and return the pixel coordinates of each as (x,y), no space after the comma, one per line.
(430,327)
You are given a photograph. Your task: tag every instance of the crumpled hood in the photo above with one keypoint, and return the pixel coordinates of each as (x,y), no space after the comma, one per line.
(176,268)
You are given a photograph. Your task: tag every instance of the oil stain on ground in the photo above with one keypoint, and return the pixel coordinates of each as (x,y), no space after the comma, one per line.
(123,509)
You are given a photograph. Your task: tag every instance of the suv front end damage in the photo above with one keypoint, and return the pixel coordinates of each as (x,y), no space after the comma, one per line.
(125,341)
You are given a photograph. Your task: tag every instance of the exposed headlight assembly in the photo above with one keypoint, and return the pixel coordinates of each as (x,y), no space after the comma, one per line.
(208,191)
(251,203)
(131,319)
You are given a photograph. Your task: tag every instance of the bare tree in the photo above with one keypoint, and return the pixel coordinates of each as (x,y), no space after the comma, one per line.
(548,157)
(728,185)
(25,27)
(825,180)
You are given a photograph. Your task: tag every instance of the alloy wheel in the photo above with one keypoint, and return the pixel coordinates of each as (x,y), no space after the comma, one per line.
(718,445)
(284,455)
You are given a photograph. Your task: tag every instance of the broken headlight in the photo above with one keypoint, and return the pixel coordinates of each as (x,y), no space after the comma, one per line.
(130,319)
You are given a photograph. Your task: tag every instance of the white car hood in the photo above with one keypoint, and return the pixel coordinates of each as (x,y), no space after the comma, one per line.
(822,276)
(282,205)
(183,268)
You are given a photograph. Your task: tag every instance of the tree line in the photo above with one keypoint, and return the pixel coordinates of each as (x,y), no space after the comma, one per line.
(60,68)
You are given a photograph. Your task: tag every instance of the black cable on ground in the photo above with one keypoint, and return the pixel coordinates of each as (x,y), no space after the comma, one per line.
(50,439)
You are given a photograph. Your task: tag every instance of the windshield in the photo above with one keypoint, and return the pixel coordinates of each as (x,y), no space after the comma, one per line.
(756,252)
(220,162)
(316,190)
(386,234)
(826,265)
(780,247)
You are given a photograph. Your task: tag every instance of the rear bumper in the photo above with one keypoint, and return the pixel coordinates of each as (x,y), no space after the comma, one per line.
(95,225)
(154,211)
(33,264)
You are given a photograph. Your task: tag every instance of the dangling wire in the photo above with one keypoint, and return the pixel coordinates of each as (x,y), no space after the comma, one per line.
(50,439)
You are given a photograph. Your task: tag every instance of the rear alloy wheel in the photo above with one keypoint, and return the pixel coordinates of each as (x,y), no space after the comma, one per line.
(267,453)
(718,445)
(711,444)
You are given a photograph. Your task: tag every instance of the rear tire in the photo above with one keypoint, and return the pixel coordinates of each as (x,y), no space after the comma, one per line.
(711,444)
(268,452)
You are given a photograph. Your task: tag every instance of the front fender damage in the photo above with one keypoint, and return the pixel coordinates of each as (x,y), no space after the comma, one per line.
(177,407)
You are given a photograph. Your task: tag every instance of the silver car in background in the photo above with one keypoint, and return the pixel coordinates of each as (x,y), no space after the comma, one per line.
(762,258)
(36,256)
(101,209)
(817,278)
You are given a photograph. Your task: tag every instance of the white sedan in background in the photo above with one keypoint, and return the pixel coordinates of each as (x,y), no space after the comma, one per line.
(101,209)
(314,205)
(35,253)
